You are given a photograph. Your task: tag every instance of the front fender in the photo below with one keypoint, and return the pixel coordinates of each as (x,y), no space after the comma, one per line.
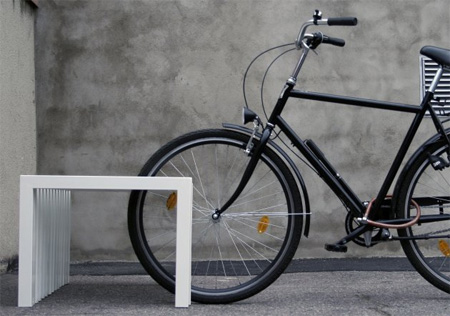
(282,153)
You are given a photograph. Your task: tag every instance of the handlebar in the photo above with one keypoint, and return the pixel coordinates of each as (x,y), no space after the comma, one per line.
(333,41)
(317,20)
(311,41)
(350,21)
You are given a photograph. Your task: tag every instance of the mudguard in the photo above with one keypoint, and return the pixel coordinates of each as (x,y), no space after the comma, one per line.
(285,156)
(424,147)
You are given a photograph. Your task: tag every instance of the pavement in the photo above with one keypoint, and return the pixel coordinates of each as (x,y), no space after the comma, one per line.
(369,286)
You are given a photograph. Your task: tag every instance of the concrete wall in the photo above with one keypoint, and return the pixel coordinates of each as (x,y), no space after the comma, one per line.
(17,116)
(117,79)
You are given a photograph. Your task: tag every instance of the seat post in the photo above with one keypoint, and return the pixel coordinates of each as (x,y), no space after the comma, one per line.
(436,79)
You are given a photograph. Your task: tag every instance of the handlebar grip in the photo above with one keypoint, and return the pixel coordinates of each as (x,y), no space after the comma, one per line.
(343,21)
(333,41)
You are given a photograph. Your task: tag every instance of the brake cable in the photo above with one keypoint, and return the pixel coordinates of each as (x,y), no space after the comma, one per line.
(277,135)
(251,63)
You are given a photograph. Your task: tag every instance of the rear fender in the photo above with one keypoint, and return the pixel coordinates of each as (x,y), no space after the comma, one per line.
(423,148)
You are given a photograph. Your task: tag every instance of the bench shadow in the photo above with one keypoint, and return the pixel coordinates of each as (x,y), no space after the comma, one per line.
(96,291)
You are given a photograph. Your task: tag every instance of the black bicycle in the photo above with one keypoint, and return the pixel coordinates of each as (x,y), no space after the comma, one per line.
(251,203)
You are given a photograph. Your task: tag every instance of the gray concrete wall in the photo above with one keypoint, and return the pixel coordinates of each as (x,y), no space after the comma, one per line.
(118,79)
(17,116)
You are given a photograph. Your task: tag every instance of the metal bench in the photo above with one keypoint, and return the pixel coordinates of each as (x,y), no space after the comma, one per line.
(44,242)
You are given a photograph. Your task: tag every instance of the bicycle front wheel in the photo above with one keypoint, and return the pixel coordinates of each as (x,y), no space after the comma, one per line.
(252,242)
(427,245)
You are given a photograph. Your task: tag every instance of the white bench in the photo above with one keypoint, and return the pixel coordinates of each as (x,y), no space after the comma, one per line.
(44,242)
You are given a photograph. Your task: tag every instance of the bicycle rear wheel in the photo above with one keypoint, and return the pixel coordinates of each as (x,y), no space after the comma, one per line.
(430,188)
(253,241)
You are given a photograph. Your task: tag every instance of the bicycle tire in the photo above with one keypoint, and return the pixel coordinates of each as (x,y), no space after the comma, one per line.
(247,260)
(427,186)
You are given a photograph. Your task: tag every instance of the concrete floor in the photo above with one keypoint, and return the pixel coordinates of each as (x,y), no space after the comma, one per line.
(123,289)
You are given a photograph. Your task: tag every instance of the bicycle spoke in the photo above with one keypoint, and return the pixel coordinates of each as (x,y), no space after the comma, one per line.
(254,240)
(217,179)
(195,189)
(250,190)
(217,235)
(255,200)
(161,235)
(237,250)
(200,180)
(170,241)
(246,247)
(445,180)
(231,168)
(249,246)
(200,241)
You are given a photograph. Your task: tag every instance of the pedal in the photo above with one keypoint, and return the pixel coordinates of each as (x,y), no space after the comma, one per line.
(336,248)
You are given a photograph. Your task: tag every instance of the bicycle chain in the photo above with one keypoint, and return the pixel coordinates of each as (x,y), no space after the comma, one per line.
(436,232)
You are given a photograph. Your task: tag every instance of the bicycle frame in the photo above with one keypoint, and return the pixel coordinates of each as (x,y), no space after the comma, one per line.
(333,179)
(318,160)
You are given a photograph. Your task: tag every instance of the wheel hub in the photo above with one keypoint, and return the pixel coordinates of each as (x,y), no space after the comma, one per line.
(215,216)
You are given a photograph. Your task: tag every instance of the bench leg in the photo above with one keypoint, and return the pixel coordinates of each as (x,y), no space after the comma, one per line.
(183,248)
(44,245)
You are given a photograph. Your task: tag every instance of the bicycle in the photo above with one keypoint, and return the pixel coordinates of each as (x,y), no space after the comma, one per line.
(251,203)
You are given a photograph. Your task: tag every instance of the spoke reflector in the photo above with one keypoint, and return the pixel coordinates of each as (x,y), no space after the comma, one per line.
(263,224)
(171,201)
(444,247)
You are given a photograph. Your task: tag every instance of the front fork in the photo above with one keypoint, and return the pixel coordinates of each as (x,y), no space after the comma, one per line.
(255,156)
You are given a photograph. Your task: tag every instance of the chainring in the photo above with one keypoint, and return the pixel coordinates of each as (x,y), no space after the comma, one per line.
(351,224)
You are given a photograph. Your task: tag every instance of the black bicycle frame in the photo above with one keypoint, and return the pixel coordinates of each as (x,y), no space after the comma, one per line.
(318,160)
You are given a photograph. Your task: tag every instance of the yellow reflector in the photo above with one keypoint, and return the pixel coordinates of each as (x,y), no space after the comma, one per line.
(263,224)
(171,201)
(444,247)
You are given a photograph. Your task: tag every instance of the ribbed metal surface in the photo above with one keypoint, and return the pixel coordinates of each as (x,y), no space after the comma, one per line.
(44,238)
(51,241)
(428,69)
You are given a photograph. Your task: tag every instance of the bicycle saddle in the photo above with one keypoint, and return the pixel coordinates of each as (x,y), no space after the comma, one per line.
(439,55)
